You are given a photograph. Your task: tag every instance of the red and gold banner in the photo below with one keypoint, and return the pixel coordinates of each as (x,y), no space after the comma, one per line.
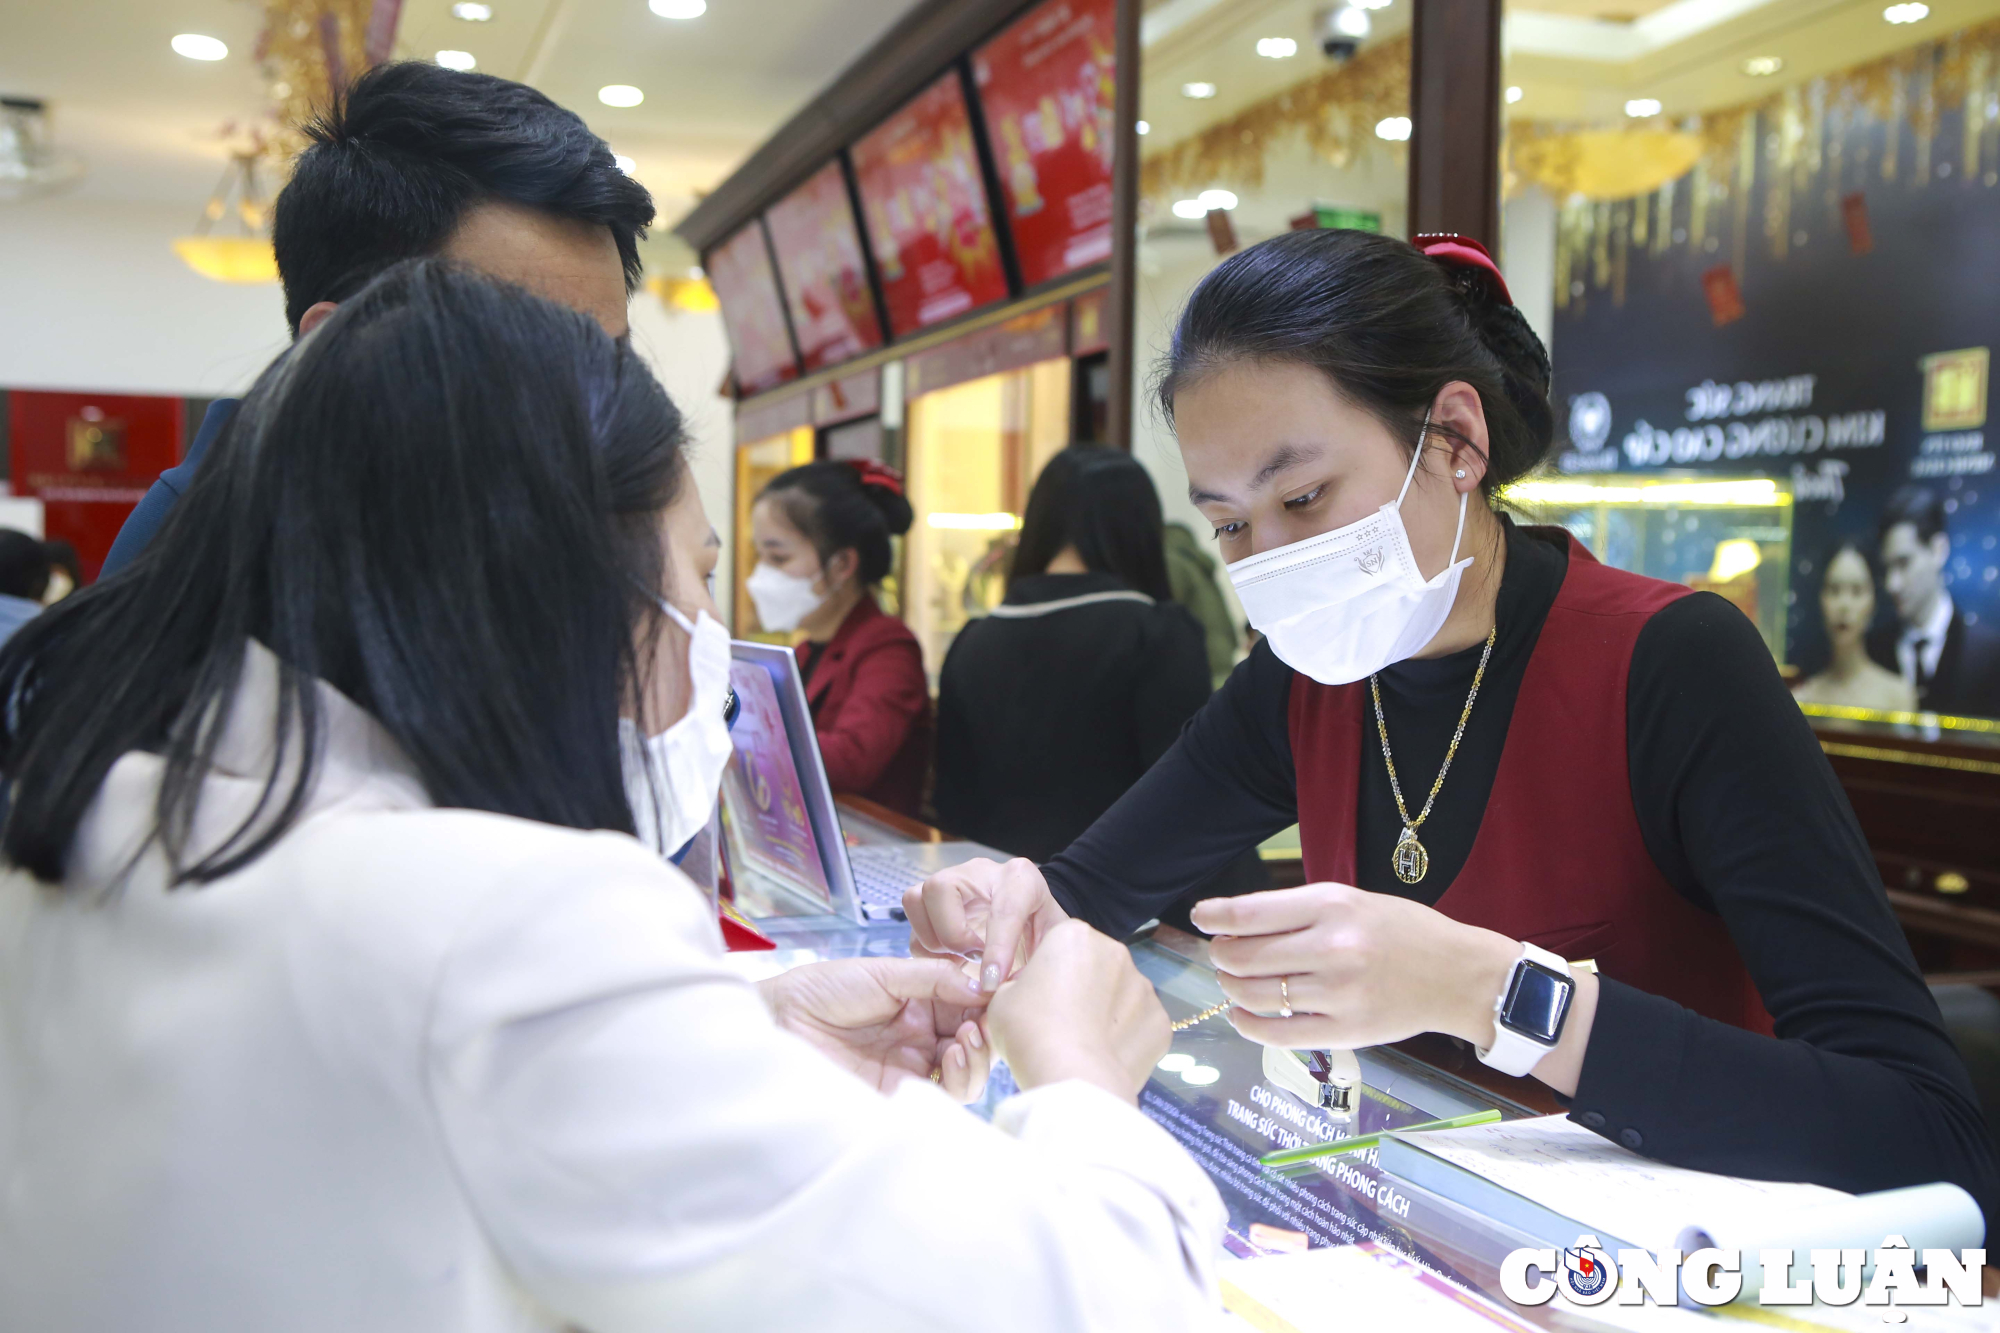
(89,458)
(1047,85)
(928,220)
(826,279)
(740,271)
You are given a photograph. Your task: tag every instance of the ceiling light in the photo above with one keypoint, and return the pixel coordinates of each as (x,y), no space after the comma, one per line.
(1277,48)
(679,9)
(1191,209)
(625,164)
(1144,128)
(1395,129)
(1514,94)
(471,11)
(1907,13)
(1200,92)
(620,94)
(1641,107)
(1351,21)
(1758,67)
(197,47)
(456,60)
(1213,199)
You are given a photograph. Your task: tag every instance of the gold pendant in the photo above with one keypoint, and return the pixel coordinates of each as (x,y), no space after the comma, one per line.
(1410,859)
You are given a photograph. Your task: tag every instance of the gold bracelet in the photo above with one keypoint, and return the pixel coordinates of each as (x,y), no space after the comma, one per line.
(1203,1016)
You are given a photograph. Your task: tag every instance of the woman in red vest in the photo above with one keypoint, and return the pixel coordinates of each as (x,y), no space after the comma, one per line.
(1502,756)
(822,532)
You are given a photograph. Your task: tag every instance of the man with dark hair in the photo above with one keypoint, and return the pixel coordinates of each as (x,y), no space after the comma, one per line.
(419,160)
(1954,664)
(24,577)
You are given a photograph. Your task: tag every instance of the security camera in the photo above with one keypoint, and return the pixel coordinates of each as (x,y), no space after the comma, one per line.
(1341,30)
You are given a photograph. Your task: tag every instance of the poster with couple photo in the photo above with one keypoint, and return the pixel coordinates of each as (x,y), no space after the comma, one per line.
(1852,366)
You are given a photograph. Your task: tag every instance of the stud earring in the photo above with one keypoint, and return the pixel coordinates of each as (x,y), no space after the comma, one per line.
(1460,474)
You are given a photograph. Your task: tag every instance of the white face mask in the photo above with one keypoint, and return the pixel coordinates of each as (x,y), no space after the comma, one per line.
(1345,604)
(684,763)
(783,600)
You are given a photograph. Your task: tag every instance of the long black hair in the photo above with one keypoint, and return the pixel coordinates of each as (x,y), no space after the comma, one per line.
(1102,502)
(444,503)
(840,506)
(1386,323)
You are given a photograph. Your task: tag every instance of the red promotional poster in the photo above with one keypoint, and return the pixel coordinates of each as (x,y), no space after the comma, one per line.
(89,458)
(740,271)
(1047,86)
(926,210)
(826,282)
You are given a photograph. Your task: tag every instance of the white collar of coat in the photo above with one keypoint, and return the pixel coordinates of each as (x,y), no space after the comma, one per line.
(354,747)
(360,767)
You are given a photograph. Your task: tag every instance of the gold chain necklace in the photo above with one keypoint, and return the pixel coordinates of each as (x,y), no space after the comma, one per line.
(1410,861)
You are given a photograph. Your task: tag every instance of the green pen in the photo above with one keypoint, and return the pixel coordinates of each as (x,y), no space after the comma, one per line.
(1305,1153)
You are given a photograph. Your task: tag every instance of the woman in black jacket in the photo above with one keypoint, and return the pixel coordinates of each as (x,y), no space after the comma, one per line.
(1053,705)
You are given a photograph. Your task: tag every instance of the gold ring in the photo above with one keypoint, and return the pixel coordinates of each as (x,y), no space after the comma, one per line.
(1284,998)
(937,1076)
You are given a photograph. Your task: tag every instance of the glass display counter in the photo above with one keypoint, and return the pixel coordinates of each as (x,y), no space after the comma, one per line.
(1212,1094)
(974,450)
(1731,536)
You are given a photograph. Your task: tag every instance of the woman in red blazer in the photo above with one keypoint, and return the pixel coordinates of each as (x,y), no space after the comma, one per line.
(822,532)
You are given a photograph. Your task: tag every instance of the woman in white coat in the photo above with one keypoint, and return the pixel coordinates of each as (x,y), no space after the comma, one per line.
(335,993)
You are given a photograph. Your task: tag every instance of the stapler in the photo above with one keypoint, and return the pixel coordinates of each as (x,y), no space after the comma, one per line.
(1329,1080)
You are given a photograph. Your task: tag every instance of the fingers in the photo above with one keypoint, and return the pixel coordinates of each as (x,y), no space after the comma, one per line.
(1020,892)
(941,980)
(1273,912)
(1281,955)
(963,1064)
(938,907)
(1263,995)
(1306,1032)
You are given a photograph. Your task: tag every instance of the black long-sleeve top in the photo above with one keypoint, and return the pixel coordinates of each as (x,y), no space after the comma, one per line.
(1049,709)
(1860,1090)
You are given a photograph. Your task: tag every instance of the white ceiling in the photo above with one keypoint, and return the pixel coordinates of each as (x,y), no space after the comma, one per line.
(151,123)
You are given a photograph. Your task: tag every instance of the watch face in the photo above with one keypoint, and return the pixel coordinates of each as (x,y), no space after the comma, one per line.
(1537,1002)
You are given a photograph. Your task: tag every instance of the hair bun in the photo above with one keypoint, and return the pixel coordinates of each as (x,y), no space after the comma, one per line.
(1503,330)
(883,486)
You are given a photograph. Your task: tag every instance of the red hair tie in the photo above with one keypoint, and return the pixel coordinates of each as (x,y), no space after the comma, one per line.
(1462,252)
(873,473)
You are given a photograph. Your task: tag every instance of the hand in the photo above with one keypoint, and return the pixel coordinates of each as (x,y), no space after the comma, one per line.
(1080,1009)
(981,909)
(1360,968)
(888,1019)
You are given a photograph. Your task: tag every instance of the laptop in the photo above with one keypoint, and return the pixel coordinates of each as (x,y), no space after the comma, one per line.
(789,853)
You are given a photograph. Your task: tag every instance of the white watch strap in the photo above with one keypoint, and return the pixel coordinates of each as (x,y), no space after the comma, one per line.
(1511,1052)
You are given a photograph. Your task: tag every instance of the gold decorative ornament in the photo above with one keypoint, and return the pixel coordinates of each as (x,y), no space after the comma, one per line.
(1807,148)
(1409,860)
(311,50)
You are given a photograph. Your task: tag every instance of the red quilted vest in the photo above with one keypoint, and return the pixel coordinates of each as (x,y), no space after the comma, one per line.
(1559,860)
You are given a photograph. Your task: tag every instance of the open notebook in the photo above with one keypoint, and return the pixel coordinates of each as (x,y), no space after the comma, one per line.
(1554,1179)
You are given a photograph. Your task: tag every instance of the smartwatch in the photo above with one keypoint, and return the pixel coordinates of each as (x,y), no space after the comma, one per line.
(1529,1012)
